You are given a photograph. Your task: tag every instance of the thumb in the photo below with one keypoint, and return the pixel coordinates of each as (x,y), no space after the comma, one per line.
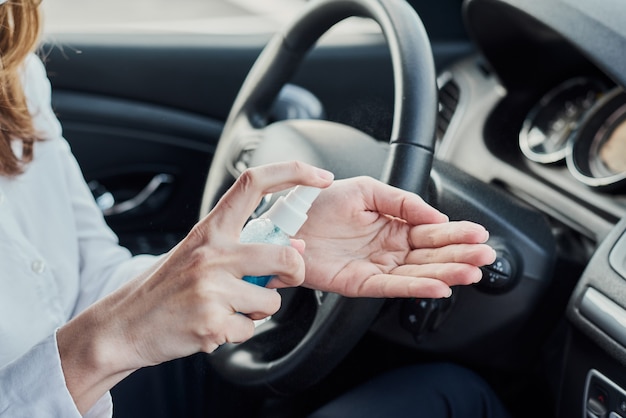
(299,245)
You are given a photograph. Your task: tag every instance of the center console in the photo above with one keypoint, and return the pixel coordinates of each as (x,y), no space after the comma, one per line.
(594,382)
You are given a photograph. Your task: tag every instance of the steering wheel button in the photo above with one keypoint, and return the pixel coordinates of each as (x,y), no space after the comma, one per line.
(502,265)
(495,280)
(499,276)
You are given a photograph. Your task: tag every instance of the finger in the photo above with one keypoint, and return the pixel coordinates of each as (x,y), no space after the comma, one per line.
(398,286)
(234,208)
(282,261)
(383,198)
(451,274)
(240,328)
(255,301)
(299,245)
(474,254)
(231,328)
(441,235)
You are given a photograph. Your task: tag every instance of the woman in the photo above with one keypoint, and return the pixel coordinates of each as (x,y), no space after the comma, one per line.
(79,313)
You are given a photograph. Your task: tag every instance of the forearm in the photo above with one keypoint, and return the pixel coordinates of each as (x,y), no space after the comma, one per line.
(88,361)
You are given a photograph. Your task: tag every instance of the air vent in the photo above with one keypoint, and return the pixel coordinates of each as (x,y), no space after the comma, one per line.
(448,100)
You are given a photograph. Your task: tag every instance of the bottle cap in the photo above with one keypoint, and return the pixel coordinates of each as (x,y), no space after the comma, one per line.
(289,213)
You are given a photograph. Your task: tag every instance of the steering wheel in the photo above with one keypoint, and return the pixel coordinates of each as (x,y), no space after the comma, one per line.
(314,331)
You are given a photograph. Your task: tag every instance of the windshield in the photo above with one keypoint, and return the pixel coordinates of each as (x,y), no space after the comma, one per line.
(163,16)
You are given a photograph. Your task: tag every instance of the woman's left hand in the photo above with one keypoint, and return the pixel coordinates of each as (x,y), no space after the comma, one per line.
(367,239)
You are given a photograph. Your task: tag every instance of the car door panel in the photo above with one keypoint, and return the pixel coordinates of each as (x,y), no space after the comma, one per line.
(123,145)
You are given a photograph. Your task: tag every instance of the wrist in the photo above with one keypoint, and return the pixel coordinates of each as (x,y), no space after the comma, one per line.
(90,358)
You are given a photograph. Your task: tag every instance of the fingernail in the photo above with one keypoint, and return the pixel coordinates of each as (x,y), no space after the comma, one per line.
(325,174)
(494,255)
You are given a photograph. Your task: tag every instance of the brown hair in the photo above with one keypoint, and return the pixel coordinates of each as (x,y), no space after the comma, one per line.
(19,35)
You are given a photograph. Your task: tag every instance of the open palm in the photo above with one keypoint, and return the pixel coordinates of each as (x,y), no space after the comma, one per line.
(365,238)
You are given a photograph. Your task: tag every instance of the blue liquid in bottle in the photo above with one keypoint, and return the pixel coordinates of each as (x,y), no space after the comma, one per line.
(263,230)
(279,223)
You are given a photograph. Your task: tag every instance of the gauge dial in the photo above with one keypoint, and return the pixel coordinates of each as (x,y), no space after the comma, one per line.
(598,150)
(611,145)
(548,126)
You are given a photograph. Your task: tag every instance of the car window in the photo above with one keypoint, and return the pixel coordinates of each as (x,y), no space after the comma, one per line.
(167,16)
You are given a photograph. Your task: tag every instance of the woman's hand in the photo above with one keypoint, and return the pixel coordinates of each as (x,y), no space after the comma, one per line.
(365,238)
(193,300)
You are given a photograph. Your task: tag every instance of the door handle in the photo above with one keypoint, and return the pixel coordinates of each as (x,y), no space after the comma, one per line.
(106,200)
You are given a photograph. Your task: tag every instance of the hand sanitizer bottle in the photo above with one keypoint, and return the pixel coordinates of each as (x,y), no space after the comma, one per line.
(281,221)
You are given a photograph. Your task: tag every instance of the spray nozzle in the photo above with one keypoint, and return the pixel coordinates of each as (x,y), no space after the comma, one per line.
(289,212)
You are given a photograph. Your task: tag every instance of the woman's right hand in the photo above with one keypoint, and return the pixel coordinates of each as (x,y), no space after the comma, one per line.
(193,300)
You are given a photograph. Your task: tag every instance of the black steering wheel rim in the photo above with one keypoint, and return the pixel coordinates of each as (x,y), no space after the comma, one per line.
(339,322)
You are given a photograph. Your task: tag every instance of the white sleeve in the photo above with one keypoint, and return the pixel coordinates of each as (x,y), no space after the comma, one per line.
(34,386)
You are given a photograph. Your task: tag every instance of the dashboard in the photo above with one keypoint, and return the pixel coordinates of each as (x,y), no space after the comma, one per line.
(547,123)
(558,148)
(540,113)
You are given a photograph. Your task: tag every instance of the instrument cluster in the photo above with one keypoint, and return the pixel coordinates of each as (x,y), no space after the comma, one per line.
(582,123)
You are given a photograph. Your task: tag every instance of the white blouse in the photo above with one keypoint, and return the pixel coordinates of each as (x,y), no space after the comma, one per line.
(57,256)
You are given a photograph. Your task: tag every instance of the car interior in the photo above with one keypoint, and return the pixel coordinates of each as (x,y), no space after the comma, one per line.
(509,113)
